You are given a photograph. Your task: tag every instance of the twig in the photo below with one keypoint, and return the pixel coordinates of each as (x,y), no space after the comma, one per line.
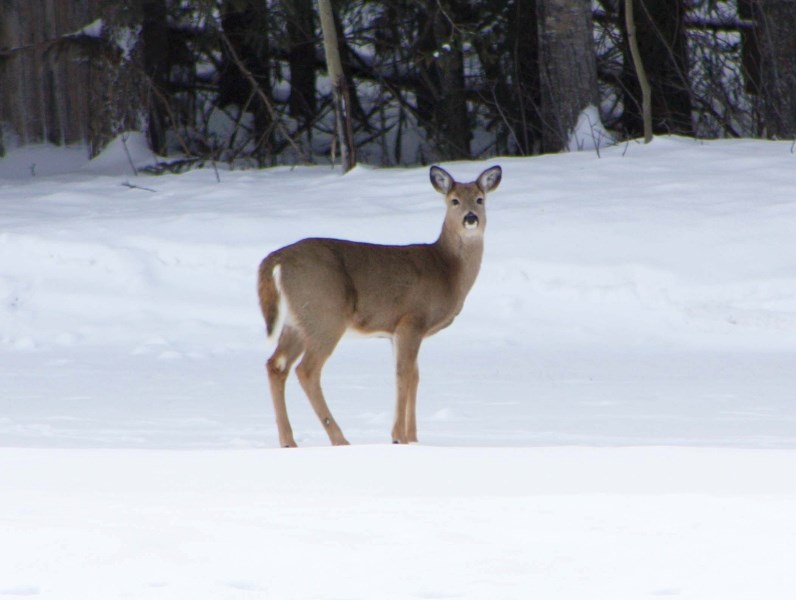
(154,89)
(215,168)
(132,186)
(129,156)
(256,86)
(596,140)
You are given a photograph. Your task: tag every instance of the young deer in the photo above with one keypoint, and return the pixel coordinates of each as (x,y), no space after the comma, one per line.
(312,291)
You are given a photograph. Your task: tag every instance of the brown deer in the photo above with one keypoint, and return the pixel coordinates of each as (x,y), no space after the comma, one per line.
(313,291)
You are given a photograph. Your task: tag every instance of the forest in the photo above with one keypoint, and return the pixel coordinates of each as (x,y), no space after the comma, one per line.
(245,82)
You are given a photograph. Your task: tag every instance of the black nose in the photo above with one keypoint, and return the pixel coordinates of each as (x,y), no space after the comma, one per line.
(471,219)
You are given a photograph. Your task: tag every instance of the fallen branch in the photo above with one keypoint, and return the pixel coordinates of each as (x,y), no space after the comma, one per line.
(133,186)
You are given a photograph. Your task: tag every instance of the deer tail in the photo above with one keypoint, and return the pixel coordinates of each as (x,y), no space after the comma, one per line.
(272,299)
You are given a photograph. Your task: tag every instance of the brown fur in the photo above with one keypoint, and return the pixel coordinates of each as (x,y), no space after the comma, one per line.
(404,292)
(268,295)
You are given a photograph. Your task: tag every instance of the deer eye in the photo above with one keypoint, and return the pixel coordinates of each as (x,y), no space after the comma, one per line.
(479,201)
(455,202)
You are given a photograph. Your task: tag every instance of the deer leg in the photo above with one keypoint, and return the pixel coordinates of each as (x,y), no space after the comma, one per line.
(309,375)
(411,409)
(278,366)
(407,346)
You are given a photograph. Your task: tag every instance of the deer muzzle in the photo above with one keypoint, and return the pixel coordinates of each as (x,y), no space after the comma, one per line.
(470,220)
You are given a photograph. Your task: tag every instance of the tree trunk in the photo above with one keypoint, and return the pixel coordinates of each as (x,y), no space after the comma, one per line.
(524,33)
(509,89)
(452,115)
(775,30)
(157,65)
(64,82)
(245,78)
(340,96)
(441,94)
(30,108)
(641,74)
(568,70)
(117,82)
(660,34)
(750,50)
(301,58)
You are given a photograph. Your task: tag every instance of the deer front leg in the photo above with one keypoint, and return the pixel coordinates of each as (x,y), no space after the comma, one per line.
(411,407)
(407,346)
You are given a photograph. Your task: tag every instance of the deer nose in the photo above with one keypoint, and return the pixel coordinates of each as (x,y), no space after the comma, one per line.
(470,220)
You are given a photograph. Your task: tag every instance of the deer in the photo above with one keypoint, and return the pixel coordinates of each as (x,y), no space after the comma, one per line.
(314,291)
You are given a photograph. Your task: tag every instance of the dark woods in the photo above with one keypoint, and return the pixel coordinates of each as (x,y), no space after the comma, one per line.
(245,81)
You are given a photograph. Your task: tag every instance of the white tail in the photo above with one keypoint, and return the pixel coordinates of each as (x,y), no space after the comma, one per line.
(312,291)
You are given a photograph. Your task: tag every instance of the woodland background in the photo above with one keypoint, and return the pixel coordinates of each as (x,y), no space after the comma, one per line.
(245,81)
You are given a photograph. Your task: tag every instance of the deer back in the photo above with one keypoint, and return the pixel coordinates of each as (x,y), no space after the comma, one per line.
(330,285)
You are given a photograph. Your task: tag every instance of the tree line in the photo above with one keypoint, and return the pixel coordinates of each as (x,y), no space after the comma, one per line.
(246,81)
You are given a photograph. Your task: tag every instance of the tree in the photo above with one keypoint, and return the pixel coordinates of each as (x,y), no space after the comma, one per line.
(76,76)
(523,46)
(117,83)
(340,97)
(415,80)
(301,59)
(245,78)
(568,71)
(507,44)
(39,81)
(774,77)
(157,63)
(442,98)
(641,74)
(660,33)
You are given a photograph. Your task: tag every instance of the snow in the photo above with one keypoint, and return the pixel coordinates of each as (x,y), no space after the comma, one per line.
(610,416)
(589,132)
(93,29)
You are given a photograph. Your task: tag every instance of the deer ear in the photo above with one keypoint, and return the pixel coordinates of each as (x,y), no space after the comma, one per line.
(441,180)
(489,179)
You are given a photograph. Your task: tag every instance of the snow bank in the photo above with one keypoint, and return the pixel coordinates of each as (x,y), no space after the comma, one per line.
(397,523)
(589,132)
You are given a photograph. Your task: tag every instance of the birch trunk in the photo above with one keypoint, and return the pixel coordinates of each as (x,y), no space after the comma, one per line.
(340,97)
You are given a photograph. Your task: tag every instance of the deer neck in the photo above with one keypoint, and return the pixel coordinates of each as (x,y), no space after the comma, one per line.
(462,253)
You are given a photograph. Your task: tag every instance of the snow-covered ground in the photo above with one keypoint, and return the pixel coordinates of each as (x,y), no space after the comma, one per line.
(613,414)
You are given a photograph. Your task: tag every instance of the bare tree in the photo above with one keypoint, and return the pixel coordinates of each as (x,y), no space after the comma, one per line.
(660,36)
(774,74)
(75,76)
(245,78)
(155,40)
(441,95)
(301,40)
(414,80)
(340,95)
(641,74)
(568,70)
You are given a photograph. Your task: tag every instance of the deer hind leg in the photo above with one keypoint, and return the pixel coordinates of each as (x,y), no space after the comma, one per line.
(407,347)
(309,375)
(289,348)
